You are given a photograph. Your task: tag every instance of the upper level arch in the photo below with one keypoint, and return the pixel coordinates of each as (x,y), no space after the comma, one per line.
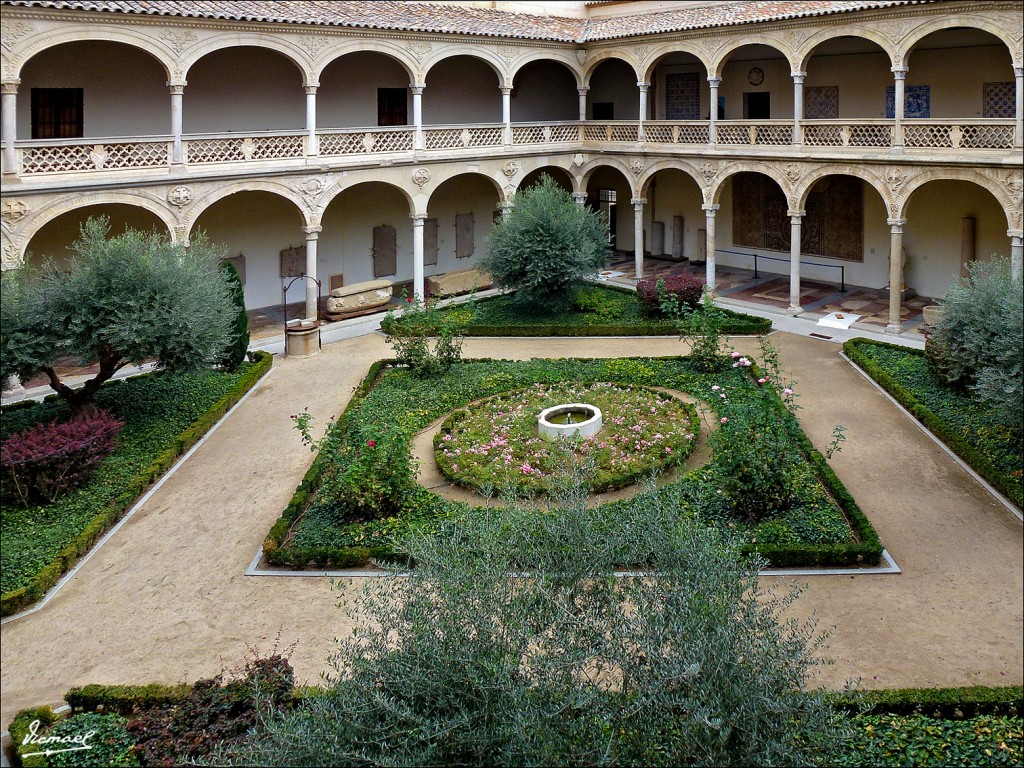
(666,49)
(486,55)
(810,46)
(383,47)
(717,63)
(600,57)
(151,46)
(559,57)
(953,21)
(276,43)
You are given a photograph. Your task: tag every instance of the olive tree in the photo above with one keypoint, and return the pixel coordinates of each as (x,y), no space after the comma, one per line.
(515,641)
(546,244)
(125,299)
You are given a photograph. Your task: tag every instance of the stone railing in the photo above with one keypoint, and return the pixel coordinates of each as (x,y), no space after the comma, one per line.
(684,132)
(769,133)
(39,158)
(463,136)
(348,141)
(72,155)
(958,134)
(244,147)
(857,133)
(545,133)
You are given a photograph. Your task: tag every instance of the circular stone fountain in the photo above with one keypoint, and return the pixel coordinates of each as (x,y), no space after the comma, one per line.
(569,420)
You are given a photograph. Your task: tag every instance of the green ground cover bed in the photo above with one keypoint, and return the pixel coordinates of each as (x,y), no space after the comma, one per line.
(599,310)
(360,490)
(164,416)
(972,429)
(169,725)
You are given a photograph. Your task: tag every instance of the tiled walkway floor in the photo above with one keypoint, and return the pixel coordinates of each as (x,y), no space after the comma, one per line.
(773,290)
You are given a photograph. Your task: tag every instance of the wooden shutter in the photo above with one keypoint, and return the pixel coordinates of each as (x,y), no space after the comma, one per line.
(385,251)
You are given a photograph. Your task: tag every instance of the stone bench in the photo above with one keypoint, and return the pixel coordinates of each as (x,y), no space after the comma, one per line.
(359,297)
(459,281)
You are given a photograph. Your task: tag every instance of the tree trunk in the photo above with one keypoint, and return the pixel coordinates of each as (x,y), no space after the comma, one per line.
(80,401)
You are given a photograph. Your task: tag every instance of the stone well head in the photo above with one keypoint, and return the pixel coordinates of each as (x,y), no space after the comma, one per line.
(569,420)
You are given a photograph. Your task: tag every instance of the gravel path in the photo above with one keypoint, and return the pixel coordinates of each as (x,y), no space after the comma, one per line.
(166,598)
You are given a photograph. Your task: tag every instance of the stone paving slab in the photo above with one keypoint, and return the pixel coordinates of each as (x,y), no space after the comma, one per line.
(166,598)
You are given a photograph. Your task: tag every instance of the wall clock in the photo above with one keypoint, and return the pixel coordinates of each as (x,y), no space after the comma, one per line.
(755,76)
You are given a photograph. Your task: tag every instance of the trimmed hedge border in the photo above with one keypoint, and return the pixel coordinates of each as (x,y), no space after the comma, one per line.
(736,324)
(938,703)
(960,445)
(865,552)
(23,597)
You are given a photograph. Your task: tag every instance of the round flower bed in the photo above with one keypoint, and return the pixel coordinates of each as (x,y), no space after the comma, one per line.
(494,444)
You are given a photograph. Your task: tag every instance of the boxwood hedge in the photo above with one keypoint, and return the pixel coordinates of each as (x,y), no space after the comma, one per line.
(968,426)
(825,527)
(165,415)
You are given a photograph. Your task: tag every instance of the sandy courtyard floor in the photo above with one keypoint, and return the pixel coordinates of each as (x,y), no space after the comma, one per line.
(166,598)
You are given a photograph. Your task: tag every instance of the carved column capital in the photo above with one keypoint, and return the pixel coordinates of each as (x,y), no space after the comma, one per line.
(900,73)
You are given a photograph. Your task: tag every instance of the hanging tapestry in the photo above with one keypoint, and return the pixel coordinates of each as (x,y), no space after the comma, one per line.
(821,102)
(832,226)
(917,102)
(682,96)
(1000,100)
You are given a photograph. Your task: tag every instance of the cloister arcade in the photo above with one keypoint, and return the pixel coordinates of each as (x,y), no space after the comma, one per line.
(270,138)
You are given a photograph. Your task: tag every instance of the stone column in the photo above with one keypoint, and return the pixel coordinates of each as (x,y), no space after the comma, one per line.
(638,235)
(713,82)
(312,289)
(1018,128)
(312,146)
(583,102)
(709,228)
(580,198)
(9,129)
(895,274)
(900,73)
(798,106)
(14,387)
(505,206)
(1016,252)
(644,87)
(177,106)
(506,113)
(417,114)
(417,255)
(795,233)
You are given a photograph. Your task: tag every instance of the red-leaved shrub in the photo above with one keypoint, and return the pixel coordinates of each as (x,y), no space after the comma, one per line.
(44,462)
(686,288)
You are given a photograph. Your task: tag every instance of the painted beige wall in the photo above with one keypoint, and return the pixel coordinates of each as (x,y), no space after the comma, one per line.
(872,272)
(615,81)
(461,89)
(347,96)
(544,90)
(956,77)
(54,240)
(259,225)
(932,234)
(777,81)
(468,193)
(675,194)
(111,75)
(230,90)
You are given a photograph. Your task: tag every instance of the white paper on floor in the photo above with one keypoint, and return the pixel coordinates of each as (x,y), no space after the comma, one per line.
(608,273)
(839,320)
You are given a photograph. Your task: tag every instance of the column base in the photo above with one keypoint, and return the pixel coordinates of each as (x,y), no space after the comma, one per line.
(795,309)
(894,328)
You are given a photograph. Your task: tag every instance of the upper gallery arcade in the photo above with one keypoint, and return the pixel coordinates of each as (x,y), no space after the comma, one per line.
(711,130)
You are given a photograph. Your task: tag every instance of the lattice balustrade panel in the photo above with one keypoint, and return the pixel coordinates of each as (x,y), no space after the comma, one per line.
(630,132)
(774,135)
(528,134)
(927,136)
(343,143)
(461,138)
(149,154)
(694,134)
(56,159)
(596,131)
(987,136)
(213,150)
(393,141)
(564,133)
(847,135)
(659,134)
(733,134)
(278,147)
